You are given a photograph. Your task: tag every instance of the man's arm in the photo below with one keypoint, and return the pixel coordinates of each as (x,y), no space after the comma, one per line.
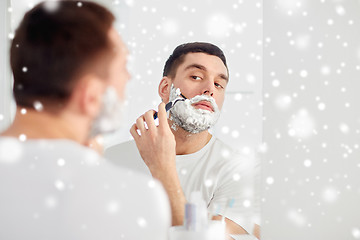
(238,192)
(256,231)
(234,228)
(171,184)
(156,145)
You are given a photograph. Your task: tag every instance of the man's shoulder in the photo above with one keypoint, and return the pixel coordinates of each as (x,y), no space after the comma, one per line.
(126,155)
(80,162)
(120,147)
(42,147)
(122,150)
(227,157)
(219,147)
(77,171)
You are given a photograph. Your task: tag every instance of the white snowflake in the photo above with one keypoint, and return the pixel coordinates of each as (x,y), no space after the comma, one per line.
(283,102)
(301,125)
(219,26)
(307,163)
(355,233)
(10,151)
(60,185)
(142,222)
(38,106)
(170,27)
(329,194)
(112,207)
(297,218)
(270,180)
(61,162)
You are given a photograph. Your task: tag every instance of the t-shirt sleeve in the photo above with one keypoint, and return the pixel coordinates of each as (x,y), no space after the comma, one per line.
(237,195)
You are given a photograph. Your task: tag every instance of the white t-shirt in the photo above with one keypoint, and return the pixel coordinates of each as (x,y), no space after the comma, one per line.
(223,176)
(58,189)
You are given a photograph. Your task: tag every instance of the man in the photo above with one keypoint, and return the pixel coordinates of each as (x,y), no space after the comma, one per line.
(68,62)
(191,159)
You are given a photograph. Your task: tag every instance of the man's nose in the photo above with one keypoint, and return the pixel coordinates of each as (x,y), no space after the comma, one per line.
(207,92)
(209,89)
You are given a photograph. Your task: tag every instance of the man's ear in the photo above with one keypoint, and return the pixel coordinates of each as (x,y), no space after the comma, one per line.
(87,95)
(164,89)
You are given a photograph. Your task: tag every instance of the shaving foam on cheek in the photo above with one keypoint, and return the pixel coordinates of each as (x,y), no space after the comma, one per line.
(109,118)
(191,119)
(174,93)
(178,92)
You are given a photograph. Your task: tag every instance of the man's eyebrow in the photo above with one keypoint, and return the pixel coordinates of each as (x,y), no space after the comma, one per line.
(223,76)
(201,67)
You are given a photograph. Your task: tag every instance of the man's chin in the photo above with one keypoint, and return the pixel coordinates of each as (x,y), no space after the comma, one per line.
(195,125)
(194,130)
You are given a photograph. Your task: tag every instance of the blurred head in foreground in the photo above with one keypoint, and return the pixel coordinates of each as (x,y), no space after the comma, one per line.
(68,61)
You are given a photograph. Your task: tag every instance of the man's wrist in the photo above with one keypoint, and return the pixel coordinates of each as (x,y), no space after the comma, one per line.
(167,177)
(161,172)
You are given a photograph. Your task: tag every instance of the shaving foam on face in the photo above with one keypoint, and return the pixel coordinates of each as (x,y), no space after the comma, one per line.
(192,119)
(177,92)
(111,113)
(174,93)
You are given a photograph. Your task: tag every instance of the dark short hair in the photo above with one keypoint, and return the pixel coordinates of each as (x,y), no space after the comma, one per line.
(178,55)
(53,47)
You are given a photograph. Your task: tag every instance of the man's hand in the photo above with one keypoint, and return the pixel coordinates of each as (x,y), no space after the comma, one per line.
(157,148)
(156,144)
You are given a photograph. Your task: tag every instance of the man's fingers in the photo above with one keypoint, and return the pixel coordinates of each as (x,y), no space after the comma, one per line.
(140,124)
(149,119)
(162,115)
(133,132)
(146,122)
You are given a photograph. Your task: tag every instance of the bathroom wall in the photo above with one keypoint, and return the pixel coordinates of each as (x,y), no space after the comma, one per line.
(311,160)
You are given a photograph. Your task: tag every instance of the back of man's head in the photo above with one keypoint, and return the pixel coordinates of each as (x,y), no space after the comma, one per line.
(56,44)
(179,53)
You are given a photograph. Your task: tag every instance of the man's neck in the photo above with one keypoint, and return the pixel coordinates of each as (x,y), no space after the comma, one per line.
(187,143)
(43,125)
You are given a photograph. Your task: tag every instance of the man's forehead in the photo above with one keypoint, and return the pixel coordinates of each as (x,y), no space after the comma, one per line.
(118,42)
(203,61)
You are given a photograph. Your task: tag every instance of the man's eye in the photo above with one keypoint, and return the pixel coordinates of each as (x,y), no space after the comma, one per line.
(196,77)
(218,85)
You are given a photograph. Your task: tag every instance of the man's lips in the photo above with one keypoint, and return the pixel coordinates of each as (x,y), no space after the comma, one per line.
(204,105)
